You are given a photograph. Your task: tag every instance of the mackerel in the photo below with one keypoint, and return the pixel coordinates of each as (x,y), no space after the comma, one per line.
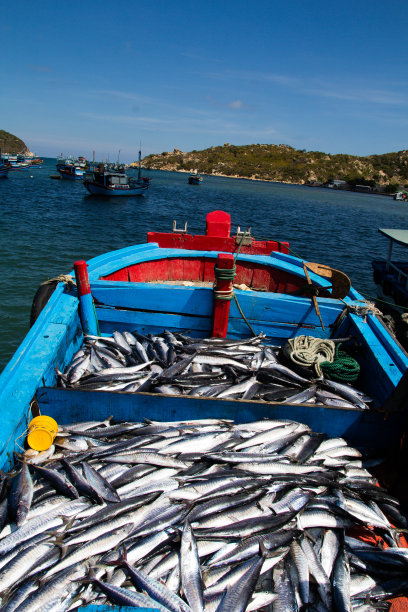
(105,542)
(190,570)
(238,596)
(157,590)
(54,518)
(22,563)
(21,495)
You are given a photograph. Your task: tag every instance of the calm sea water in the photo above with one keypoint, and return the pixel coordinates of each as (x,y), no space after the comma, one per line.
(46,225)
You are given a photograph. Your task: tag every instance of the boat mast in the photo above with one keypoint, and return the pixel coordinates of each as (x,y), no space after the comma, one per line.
(139,174)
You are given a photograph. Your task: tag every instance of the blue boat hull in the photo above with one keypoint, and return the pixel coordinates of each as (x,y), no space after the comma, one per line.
(195,180)
(96,189)
(71,177)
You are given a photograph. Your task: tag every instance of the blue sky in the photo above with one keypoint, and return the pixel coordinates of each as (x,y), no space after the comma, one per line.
(82,76)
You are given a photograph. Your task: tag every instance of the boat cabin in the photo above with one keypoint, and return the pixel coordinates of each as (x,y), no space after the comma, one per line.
(110,179)
(392,275)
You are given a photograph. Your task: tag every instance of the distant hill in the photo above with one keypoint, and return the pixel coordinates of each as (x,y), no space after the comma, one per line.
(11,144)
(283,163)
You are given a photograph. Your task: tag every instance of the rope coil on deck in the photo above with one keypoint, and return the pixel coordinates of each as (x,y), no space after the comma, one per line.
(344,368)
(325,357)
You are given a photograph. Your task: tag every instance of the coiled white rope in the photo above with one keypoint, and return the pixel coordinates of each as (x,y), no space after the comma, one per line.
(308,352)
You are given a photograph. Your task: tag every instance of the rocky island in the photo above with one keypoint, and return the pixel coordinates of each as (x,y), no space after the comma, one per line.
(12,144)
(282,163)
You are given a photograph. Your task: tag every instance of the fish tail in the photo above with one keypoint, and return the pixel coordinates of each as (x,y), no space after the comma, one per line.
(122,558)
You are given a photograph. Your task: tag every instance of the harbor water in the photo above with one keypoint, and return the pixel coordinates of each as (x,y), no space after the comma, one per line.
(48,224)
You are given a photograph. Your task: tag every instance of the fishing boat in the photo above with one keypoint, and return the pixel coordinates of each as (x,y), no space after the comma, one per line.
(71,169)
(401,196)
(195,179)
(168,283)
(3,168)
(212,285)
(112,180)
(391,278)
(15,162)
(36,162)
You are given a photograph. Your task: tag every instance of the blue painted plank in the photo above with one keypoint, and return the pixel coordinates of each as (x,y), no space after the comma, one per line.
(150,322)
(286,308)
(199,302)
(365,429)
(396,353)
(113,257)
(109,608)
(111,320)
(150,297)
(278,316)
(379,366)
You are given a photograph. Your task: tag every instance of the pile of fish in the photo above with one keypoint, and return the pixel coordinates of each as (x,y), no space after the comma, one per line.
(202,515)
(176,364)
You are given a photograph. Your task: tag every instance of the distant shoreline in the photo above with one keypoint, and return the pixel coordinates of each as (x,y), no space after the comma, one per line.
(249,178)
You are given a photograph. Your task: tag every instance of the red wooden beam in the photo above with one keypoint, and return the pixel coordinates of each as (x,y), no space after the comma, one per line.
(217,238)
(222,289)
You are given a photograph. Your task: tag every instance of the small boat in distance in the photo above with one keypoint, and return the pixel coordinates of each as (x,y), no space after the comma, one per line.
(112,180)
(71,169)
(36,162)
(195,178)
(401,196)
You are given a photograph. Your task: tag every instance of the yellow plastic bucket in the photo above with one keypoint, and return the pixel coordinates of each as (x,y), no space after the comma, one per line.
(41,432)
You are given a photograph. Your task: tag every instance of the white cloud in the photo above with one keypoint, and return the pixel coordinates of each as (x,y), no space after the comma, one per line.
(236,104)
(324,88)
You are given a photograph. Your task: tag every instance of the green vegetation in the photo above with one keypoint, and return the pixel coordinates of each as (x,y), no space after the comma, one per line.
(283,163)
(11,144)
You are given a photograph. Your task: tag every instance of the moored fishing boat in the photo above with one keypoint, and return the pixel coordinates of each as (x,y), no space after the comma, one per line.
(401,196)
(112,180)
(167,283)
(15,162)
(71,169)
(109,181)
(195,179)
(3,168)
(391,279)
(36,162)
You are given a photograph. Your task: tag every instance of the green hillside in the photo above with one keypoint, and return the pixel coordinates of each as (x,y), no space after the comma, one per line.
(285,164)
(11,144)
